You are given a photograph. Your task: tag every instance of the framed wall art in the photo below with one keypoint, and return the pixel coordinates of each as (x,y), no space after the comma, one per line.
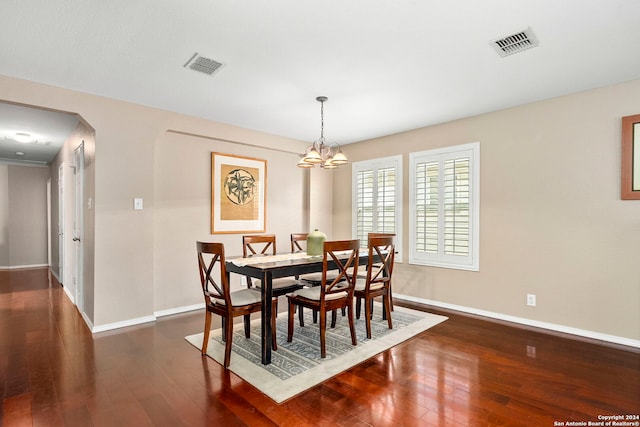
(631,157)
(238,194)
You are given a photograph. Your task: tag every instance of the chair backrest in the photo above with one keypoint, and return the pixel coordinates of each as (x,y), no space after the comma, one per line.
(370,235)
(382,247)
(296,238)
(345,255)
(211,262)
(258,244)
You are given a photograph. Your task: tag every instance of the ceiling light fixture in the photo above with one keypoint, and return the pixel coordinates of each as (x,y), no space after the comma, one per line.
(23,137)
(319,153)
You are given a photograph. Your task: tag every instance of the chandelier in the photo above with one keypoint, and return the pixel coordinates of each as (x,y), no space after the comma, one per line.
(319,153)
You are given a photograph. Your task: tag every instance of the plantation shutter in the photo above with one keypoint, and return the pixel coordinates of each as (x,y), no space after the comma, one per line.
(444,217)
(364,204)
(377,198)
(386,201)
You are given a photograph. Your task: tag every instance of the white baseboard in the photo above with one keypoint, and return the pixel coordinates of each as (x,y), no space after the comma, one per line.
(123,324)
(178,310)
(22,267)
(146,319)
(523,321)
(54,274)
(87,321)
(67,292)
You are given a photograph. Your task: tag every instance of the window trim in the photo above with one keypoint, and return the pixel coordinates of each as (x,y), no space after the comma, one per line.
(472,262)
(375,164)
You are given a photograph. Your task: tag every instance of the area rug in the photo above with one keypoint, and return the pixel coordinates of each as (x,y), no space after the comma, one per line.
(297,366)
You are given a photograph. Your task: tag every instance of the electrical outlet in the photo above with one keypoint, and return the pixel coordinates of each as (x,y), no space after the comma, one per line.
(531,300)
(531,351)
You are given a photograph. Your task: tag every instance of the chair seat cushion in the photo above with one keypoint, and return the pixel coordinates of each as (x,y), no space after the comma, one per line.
(242,297)
(284,282)
(361,284)
(314,294)
(362,272)
(315,279)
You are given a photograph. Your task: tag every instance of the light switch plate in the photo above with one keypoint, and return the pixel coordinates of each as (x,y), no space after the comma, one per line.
(137,203)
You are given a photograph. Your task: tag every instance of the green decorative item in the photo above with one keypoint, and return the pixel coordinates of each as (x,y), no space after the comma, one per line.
(315,242)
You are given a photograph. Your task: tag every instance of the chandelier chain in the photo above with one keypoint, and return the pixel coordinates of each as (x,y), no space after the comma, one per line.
(321,121)
(325,156)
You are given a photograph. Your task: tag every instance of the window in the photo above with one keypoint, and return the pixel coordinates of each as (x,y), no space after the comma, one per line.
(377,199)
(445,207)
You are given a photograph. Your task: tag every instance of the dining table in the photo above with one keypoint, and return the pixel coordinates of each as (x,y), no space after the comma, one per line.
(269,267)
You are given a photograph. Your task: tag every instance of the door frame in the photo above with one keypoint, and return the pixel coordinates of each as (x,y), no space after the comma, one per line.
(78,225)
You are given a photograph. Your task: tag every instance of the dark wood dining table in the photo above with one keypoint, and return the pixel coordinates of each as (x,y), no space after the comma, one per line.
(272,267)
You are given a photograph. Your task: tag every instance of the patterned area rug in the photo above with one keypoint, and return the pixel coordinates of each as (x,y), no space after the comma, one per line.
(297,366)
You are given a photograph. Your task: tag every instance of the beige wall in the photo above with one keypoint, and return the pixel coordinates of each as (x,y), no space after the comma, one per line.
(4,215)
(551,219)
(23,216)
(182,208)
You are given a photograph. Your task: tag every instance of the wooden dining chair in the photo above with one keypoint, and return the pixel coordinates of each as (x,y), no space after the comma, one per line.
(384,235)
(330,295)
(263,245)
(377,282)
(297,245)
(220,300)
(309,279)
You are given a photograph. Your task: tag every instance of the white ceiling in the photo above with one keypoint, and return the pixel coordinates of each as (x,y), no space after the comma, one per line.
(48,130)
(386,66)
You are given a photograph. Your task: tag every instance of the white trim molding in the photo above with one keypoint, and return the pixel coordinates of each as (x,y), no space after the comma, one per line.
(23,267)
(123,324)
(179,310)
(141,320)
(523,321)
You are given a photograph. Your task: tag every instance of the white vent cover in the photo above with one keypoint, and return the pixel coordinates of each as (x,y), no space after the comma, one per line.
(515,43)
(203,65)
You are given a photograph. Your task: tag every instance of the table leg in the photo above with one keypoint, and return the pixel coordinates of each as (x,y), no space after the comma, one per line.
(266,297)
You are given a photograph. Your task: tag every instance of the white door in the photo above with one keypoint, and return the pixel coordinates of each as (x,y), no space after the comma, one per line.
(61,223)
(78,222)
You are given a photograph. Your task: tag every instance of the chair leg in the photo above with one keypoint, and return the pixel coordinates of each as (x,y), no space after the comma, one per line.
(352,326)
(292,310)
(227,345)
(274,319)
(301,316)
(247,326)
(224,328)
(207,329)
(358,301)
(315,316)
(387,309)
(323,333)
(333,319)
(367,316)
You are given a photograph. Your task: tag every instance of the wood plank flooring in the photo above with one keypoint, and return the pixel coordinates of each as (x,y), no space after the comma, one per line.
(464,372)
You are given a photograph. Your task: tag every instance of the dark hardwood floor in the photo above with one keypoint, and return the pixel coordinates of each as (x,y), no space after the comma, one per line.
(463,372)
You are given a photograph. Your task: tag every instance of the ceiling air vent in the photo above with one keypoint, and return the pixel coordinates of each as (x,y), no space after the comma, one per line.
(515,43)
(203,65)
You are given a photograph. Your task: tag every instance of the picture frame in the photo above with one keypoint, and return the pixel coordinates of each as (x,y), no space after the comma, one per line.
(238,194)
(631,157)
